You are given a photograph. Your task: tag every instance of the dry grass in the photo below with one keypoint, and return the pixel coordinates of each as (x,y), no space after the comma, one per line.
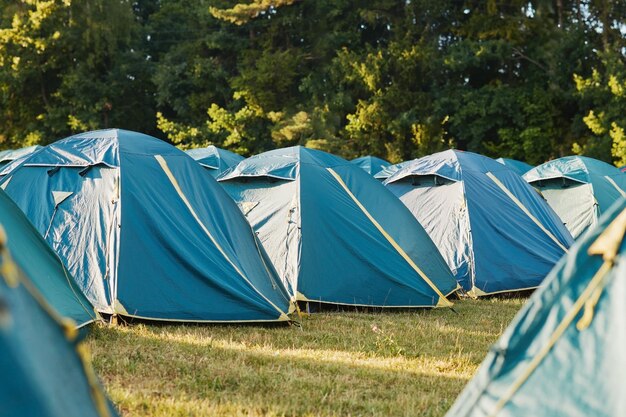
(400,364)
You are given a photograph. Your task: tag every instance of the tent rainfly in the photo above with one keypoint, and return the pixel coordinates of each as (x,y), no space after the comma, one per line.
(44,366)
(579,189)
(335,234)
(214,159)
(371,164)
(496,233)
(12,154)
(145,232)
(390,170)
(563,354)
(11,159)
(518,166)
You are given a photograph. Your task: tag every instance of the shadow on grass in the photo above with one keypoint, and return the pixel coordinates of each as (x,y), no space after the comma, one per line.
(337,364)
(216,375)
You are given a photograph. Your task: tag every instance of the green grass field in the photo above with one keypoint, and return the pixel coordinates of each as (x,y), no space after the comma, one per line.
(349,364)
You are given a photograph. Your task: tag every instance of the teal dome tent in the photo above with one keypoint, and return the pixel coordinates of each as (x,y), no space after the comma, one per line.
(371,164)
(518,166)
(214,159)
(495,232)
(11,155)
(563,354)
(145,232)
(44,367)
(35,257)
(390,170)
(335,234)
(579,189)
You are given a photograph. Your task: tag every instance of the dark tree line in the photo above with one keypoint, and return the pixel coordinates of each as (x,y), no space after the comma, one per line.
(524,79)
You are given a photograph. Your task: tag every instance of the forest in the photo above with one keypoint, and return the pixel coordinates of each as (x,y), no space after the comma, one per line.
(530,80)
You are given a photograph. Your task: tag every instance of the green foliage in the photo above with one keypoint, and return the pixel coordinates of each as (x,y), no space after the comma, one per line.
(603,93)
(71,66)
(530,80)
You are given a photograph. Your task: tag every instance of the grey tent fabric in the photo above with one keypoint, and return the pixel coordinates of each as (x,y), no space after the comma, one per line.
(579,189)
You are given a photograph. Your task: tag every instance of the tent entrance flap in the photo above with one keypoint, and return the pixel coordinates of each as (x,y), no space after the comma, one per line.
(180,193)
(525,210)
(442,301)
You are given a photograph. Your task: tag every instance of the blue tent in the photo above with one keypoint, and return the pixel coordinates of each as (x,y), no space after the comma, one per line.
(518,166)
(145,231)
(13,154)
(579,189)
(493,229)
(390,170)
(371,164)
(335,234)
(44,368)
(39,261)
(11,159)
(563,354)
(214,159)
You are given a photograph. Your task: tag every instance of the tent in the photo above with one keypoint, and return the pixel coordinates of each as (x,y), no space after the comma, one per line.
(518,166)
(44,368)
(563,354)
(494,231)
(390,170)
(13,154)
(371,164)
(579,189)
(622,168)
(214,159)
(334,234)
(145,232)
(39,261)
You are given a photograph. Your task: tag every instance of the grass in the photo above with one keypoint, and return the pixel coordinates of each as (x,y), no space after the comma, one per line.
(349,364)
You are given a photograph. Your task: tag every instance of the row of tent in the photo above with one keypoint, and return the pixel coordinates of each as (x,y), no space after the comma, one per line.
(563,353)
(186,252)
(142,230)
(579,189)
(572,327)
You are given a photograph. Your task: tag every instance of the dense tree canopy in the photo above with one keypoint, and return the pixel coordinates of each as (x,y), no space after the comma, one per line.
(529,80)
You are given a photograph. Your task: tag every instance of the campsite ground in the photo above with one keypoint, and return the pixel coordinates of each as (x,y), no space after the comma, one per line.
(336,364)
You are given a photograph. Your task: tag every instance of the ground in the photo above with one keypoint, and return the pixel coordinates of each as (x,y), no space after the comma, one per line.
(349,364)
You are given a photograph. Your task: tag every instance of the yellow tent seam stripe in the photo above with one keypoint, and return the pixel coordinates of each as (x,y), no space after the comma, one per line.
(610,180)
(525,210)
(182,196)
(607,244)
(443,301)
(554,337)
